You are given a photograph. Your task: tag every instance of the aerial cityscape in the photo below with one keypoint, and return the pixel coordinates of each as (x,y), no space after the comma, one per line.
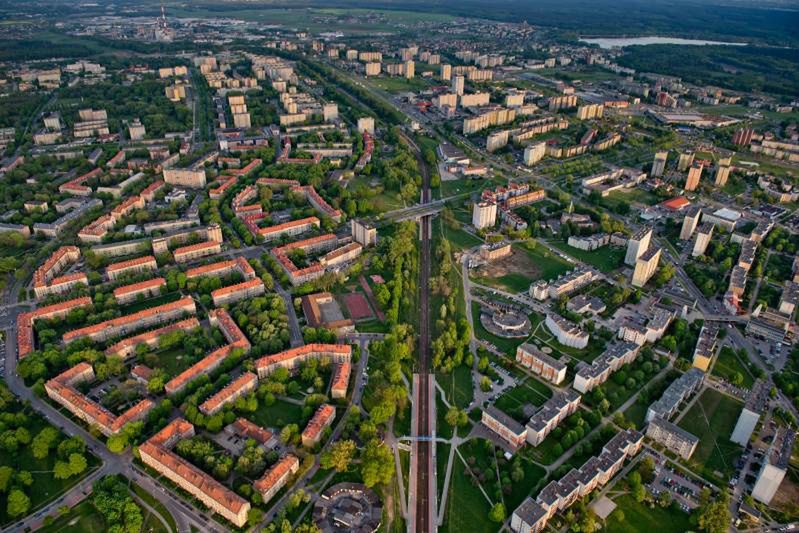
(470,266)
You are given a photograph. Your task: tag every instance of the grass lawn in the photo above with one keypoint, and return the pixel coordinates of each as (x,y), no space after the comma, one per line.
(639,517)
(45,487)
(457,386)
(467,507)
(150,302)
(460,239)
(398,84)
(157,505)
(712,419)
(779,267)
(529,391)
(605,259)
(728,365)
(83,518)
(551,265)
(174,361)
(277,415)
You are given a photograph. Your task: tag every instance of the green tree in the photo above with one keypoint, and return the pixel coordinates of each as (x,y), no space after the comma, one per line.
(339,456)
(497,513)
(18,503)
(377,463)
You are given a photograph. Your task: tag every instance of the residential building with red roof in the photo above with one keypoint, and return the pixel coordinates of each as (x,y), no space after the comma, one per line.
(276,477)
(222,268)
(297,276)
(123,325)
(225,183)
(341,255)
(319,203)
(322,418)
(234,293)
(237,388)
(246,429)
(127,347)
(291,228)
(45,280)
(61,389)
(129,293)
(221,319)
(206,365)
(292,359)
(140,264)
(185,254)
(157,454)
(25,321)
(340,381)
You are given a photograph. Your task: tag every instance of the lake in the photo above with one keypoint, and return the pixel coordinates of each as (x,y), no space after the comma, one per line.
(612,42)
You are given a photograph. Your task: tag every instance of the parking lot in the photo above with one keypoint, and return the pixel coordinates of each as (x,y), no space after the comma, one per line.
(683,488)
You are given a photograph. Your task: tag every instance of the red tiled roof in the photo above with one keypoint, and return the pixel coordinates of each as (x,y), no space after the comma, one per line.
(157,448)
(196,247)
(278,228)
(341,377)
(247,429)
(46,270)
(308,349)
(238,287)
(276,473)
(132,342)
(205,365)
(116,322)
(140,286)
(130,263)
(25,321)
(319,421)
(244,381)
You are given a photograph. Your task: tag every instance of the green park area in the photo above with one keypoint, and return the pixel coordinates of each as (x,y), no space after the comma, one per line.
(605,259)
(729,366)
(712,419)
(640,517)
(529,392)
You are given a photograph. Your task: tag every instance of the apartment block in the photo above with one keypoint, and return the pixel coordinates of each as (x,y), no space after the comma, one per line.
(703,238)
(550,414)
(322,418)
(157,454)
(750,414)
(117,327)
(127,347)
(694,175)
(484,215)
(689,222)
(540,363)
(276,477)
(673,437)
(590,111)
(363,233)
(637,245)
(222,268)
(341,380)
(26,320)
(723,172)
(46,280)
(196,251)
(534,153)
(677,392)
(234,293)
(511,431)
(114,271)
(143,289)
(566,331)
(533,515)
(293,358)
(185,177)
(646,266)
(706,346)
(241,386)
(659,164)
(62,390)
(685,161)
(613,358)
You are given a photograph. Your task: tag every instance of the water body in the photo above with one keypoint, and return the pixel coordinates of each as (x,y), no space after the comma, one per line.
(620,42)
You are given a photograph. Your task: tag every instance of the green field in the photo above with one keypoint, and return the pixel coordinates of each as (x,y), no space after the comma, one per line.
(457,386)
(640,517)
(83,518)
(605,259)
(551,266)
(277,415)
(398,84)
(712,419)
(467,507)
(525,267)
(460,239)
(530,391)
(728,365)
